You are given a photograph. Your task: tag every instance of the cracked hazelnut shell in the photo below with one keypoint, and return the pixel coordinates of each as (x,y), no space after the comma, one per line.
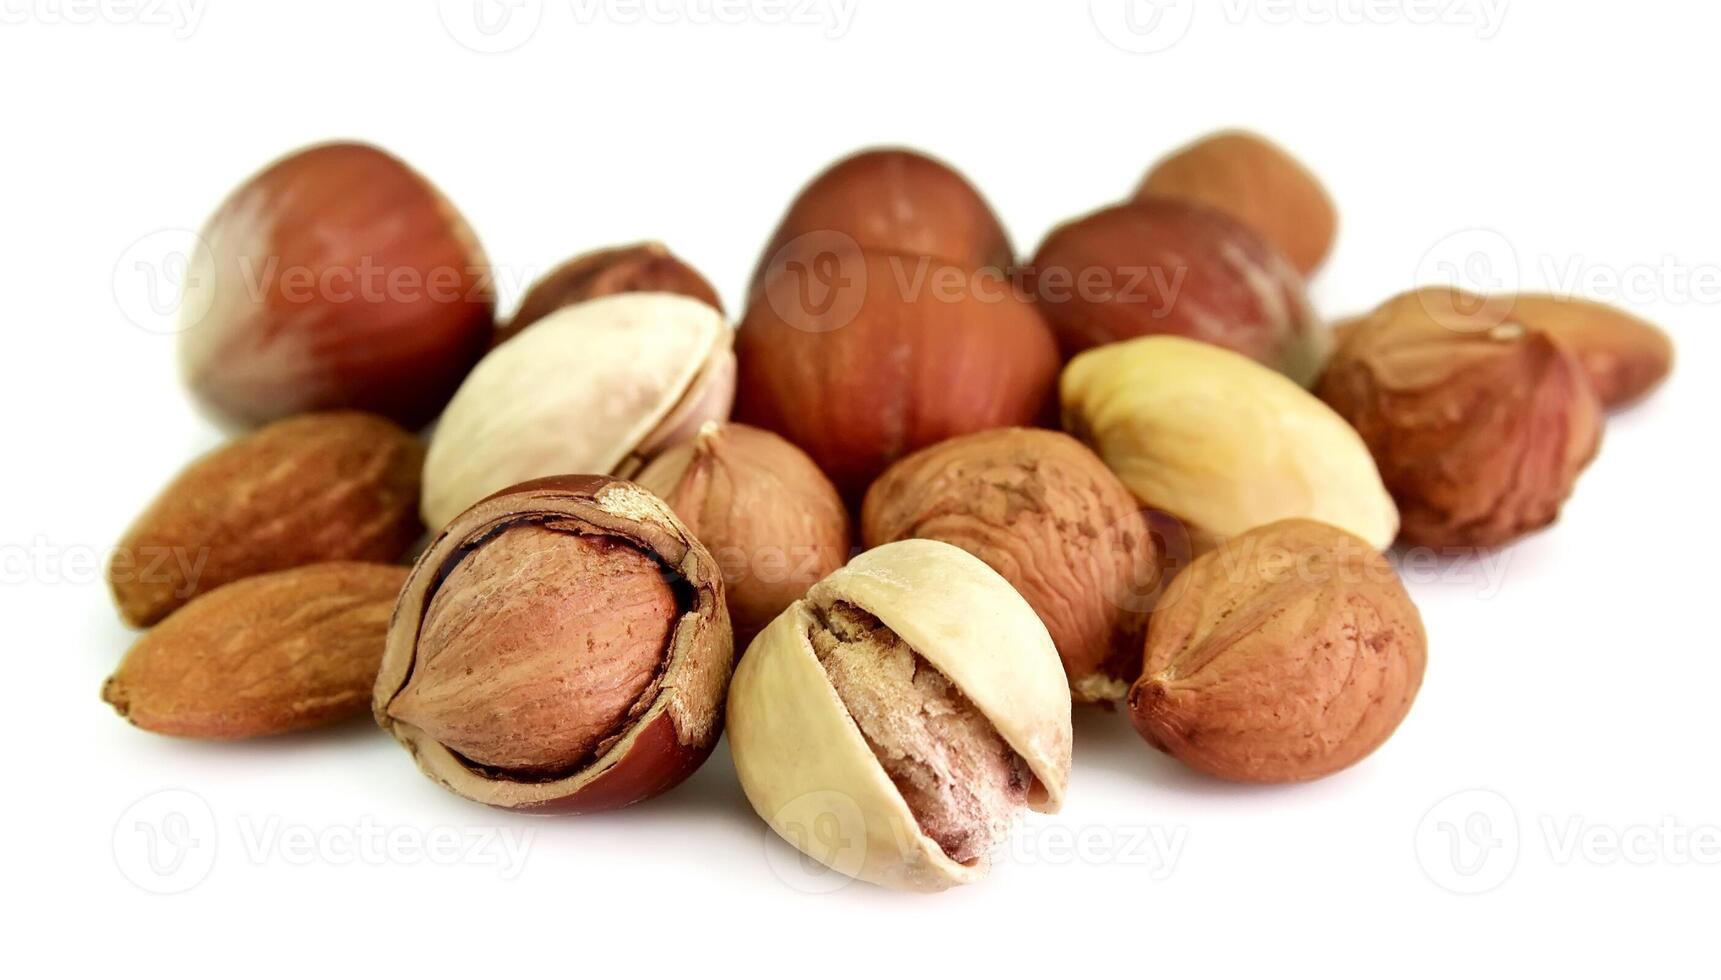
(1043,511)
(338,277)
(648,267)
(914,701)
(1290,653)
(583,663)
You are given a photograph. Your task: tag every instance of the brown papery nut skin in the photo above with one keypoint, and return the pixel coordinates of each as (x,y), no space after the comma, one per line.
(648,267)
(1044,512)
(1290,653)
(860,357)
(1479,425)
(762,508)
(1163,266)
(337,277)
(1624,357)
(1257,182)
(332,486)
(549,641)
(894,200)
(272,653)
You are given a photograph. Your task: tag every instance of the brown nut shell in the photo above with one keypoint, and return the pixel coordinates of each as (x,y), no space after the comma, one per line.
(1044,512)
(665,734)
(1624,357)
(762,508)
(1163,266)
(1257,182)
(1480,425)
(334,486)
(269,654)
(1290,653)
(648,267)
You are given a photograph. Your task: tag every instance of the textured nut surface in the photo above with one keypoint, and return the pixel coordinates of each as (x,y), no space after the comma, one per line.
(1043,511)
(1163,266)
(1290,653)
(1480,426)
(268,654)
(762,508)
(1257,182)
(549,640)
(863,704)
(1222,442)
(337,277)
(588,389)
(1623,356)
(648,267)
(324,487)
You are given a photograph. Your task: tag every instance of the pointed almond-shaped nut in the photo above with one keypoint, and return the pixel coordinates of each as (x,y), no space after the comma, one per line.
(1624,356)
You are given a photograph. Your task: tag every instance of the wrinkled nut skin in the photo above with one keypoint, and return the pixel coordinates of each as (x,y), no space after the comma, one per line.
(268,654)
(1043,511)
(1163,266)
(895,200)
(762,508)
(338,277)
(1290,653)
(594,388)
(862,372)
(1480,425)
(648,267)
(1624,357)
(1222,443)
(803,761)
(1257,182)
(663,739)
(328,486)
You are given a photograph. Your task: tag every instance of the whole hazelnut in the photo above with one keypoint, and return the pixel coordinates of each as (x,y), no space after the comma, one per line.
(1290,653)
(1162,266)
(774,522)
(895,200)
(1257,182)
(1480,425)
(1043,511)
(648,267)
(1221,442)
(861,356)
(336,278)
(595,388)
(562,645)
(912,704)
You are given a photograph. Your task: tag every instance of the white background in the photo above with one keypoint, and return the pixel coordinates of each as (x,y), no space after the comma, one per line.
(1570,145)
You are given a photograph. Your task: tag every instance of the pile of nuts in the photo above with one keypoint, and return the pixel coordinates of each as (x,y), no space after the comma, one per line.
(891,575)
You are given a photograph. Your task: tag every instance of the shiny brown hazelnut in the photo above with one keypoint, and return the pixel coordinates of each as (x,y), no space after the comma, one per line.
(338,277)
(562,645)
(1044,512)
(1479,424)
(1163,266)
(762,508)
(648,267)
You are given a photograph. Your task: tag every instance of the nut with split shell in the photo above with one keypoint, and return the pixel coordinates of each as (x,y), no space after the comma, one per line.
(913,698)
(648,267)
(595,388)
(562,646)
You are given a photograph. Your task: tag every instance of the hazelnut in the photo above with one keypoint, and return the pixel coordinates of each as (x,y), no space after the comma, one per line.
(336,278)
(1043,511)
(861,356)
(774,522)
(1162,266)
(1624,357)
(1221,442)
(915,700)
(1290,653)
(562,645)
(1255,181)
(895,200)
(1480,425)
(645,268)
(594,388)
